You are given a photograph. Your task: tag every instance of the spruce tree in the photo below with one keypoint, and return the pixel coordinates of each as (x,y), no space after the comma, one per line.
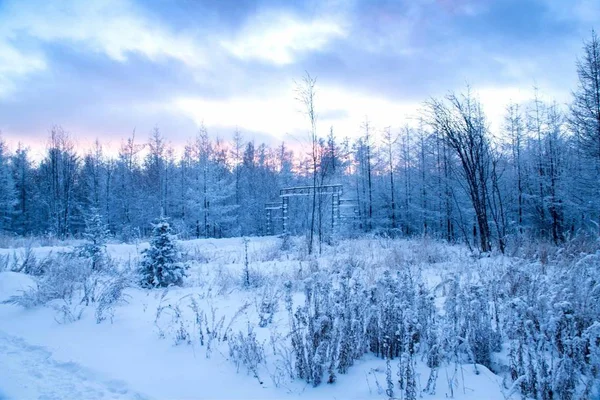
(161,266)
(95,235)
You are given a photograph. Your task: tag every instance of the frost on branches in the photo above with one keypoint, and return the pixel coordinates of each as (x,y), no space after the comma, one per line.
(161,266)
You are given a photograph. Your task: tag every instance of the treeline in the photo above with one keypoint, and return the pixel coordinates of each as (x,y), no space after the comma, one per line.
(447,177)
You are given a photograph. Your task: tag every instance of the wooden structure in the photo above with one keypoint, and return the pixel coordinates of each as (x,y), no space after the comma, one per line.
(335,191)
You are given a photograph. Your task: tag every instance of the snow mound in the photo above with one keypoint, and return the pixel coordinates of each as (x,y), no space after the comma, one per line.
(12,283)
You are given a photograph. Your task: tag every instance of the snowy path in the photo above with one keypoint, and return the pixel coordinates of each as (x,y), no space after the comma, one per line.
(31,372)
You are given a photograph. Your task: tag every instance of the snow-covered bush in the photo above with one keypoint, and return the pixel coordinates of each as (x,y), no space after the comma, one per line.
(245,350)
(161,266)
(68,284)
(547,319)
(342,319)
(267,305)
(27,262)
(63,276)
(194,319)
(110,295)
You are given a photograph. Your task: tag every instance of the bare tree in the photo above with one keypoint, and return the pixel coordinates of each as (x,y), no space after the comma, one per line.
(367,128)
(585,109)
(305,94)
(461,120)
(390,141)
(514,128)
(536,126)
(60,173)
(406,169)
(422,138)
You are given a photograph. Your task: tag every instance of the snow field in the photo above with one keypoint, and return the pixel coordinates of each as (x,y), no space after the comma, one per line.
(156,346)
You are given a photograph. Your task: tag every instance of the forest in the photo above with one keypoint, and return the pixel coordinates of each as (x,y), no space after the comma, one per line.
(445,175)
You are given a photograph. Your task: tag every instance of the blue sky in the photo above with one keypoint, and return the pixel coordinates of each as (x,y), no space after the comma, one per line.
(103,68)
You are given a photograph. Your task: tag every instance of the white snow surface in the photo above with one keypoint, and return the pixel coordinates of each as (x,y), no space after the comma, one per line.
(41,358)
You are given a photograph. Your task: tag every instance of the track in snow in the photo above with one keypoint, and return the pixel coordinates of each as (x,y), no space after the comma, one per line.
(30,372)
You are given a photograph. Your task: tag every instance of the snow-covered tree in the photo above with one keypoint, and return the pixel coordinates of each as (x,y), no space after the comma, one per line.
(161,266)
(585,124)
(7,189)
(95,235)
(26,190)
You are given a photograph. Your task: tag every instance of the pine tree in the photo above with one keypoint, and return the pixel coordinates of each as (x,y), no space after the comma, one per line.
(160,266)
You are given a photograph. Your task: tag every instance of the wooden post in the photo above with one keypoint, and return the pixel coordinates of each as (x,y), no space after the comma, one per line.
(269,223)
(284,212)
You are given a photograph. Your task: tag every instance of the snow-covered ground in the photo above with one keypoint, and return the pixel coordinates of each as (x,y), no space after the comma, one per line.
(139,353)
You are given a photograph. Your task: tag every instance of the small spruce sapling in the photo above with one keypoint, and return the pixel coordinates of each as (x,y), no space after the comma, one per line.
(161,266)
(95,235)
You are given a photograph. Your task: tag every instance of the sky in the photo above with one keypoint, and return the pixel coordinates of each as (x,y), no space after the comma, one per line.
(106,68)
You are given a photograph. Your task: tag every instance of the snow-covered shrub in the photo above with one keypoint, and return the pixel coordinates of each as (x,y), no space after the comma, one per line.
(187,321)
(342,319)
(267,306)
(110,295)
(245,350)
(161,266)
(467,323)
(68,311)
(592,384)
(312,331)
(68,284)
(171,321)
(547,320)
(63,277)
(26,263)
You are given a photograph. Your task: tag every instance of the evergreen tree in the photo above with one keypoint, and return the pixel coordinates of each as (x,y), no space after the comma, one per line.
(161,266)
(95,234)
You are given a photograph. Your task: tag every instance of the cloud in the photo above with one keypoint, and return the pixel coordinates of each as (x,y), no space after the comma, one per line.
(280,113)
(111,65)
(273,114)
(280,38)
(114,28)
(15,64)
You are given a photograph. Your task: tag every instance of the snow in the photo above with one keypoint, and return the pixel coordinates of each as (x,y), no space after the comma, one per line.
(31,372)
(12,283)
(126,359)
